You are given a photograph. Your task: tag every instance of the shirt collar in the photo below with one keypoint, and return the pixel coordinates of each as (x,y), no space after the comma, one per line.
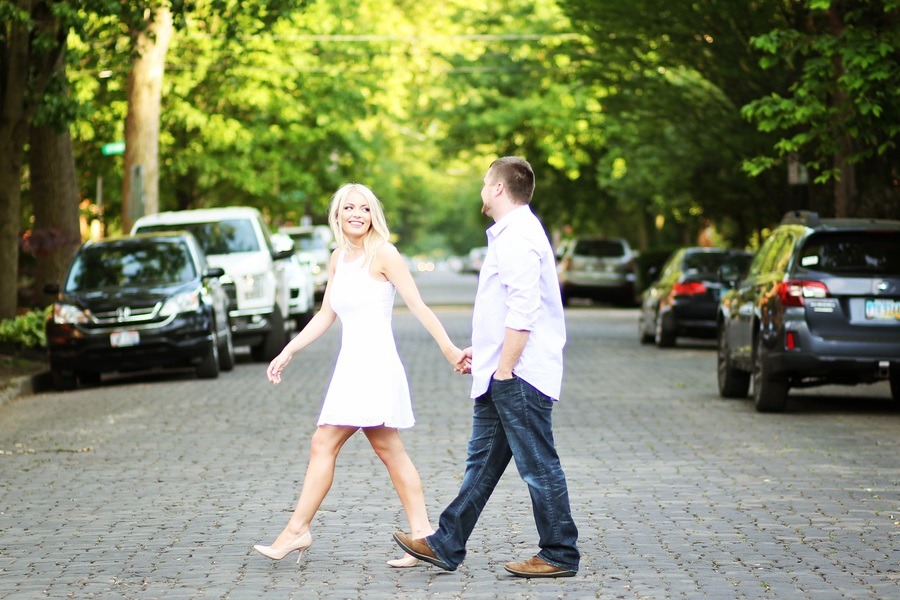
(511,217)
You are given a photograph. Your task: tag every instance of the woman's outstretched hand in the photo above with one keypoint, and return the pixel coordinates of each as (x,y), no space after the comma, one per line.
(277,366)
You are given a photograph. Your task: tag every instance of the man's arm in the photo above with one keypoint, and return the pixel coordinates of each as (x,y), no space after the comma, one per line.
(514,342)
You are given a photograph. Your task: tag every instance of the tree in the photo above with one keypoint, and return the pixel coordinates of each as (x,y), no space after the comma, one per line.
(150,42)
(842,110)
(32,41)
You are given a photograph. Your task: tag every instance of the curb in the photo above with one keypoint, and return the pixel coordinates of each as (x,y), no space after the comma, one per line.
(25,385)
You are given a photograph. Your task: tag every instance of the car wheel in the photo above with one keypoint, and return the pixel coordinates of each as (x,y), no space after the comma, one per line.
(274,341)
(644,336)
(895,383)
(665,334)
(769,391)
(63,380)
(226,351)
(733,383)
(301,320)
(89,377)
(209,366)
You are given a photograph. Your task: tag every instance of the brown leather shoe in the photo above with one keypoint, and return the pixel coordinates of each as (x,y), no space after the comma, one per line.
(537,567)
(420,549)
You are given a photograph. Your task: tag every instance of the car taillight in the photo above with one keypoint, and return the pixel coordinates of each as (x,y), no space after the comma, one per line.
(793,291)
(689,288)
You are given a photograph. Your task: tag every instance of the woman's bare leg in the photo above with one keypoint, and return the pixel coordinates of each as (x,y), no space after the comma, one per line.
(387,445)
(326,444)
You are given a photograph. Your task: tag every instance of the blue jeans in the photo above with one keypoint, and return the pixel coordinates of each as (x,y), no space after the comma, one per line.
(512,420)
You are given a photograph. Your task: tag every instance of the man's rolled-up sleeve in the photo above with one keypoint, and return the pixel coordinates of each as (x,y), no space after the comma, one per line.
(520,272)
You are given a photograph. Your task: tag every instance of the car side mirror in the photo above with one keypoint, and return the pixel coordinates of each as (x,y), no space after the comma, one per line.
(214,272)
(282,254)
(51,289)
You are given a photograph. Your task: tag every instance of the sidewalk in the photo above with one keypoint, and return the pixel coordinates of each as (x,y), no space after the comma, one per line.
(21,377)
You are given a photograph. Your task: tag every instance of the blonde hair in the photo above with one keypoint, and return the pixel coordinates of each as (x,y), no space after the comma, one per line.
(378,233)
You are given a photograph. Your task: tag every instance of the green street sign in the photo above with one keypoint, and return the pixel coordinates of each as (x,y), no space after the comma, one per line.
(113,148)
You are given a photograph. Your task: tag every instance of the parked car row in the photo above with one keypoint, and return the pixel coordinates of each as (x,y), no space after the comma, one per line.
(182,290)
(818,304)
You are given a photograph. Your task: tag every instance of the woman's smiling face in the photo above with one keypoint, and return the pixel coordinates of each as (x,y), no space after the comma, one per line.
(356,217)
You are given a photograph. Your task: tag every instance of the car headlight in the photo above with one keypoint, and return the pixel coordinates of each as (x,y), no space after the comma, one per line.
(253,285)
(69,314)
(182,303)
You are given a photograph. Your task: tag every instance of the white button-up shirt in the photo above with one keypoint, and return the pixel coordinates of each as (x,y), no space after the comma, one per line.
(518,289)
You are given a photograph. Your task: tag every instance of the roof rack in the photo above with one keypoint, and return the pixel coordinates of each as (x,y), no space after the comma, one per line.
(800,217)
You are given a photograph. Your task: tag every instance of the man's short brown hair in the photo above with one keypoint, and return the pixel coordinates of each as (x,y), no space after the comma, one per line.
(516,175)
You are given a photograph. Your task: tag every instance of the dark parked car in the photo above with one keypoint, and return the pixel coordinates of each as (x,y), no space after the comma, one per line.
(598,269)
(684,297)
(820,305)
(136,303)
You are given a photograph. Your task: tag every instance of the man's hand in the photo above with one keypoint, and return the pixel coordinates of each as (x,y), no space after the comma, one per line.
(464,364)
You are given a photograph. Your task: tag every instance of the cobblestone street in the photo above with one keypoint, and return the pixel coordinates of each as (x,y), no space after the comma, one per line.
(158,486)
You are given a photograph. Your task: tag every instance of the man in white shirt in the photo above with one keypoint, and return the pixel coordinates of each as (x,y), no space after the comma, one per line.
(518,334)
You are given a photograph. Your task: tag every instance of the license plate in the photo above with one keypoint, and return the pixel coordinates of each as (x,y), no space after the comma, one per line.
(119,339)
(883,310)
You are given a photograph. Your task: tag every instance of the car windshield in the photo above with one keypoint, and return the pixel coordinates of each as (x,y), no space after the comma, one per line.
(853,252)
(131,263)
(599,248)
(308,241)
(703,262)
(218,237)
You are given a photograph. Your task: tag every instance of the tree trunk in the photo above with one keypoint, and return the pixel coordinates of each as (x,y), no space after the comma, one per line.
(140,191)
(845,181)
(54,196)
(13,133)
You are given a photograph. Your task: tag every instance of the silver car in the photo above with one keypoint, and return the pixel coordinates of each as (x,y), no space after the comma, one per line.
(598,269)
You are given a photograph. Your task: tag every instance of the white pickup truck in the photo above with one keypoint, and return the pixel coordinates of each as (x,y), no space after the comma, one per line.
(237,240)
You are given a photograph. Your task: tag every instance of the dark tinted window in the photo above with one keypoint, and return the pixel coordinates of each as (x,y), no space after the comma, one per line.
(220,237)
(703,262)
(599,248)
(852,252)
(132,263)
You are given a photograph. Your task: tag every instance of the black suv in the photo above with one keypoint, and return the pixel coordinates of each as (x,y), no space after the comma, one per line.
(820,305)
(136,303)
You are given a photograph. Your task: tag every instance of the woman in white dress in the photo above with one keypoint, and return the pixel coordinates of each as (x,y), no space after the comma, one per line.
(368,388)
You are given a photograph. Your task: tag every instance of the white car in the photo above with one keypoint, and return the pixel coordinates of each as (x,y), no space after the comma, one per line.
(237,240)
(313,241)
(301,281)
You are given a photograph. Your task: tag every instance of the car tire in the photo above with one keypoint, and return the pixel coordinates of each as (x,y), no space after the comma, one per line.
(644,336)
(90,378)
(63,380)
(274,341)
(664,335)
(226,351)
(209,366)
(733,383)
(769,391)
(895,383)
(301,320)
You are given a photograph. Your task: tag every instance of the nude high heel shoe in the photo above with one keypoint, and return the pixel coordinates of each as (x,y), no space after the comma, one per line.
(300,544)
(407,561)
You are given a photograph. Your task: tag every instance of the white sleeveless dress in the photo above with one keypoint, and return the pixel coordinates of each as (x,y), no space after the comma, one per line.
(368,387)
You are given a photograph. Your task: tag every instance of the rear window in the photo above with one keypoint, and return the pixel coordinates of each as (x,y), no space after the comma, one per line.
(143,263)
(849,253)
(599,248)
(307,242)
(219,237)
(703,262)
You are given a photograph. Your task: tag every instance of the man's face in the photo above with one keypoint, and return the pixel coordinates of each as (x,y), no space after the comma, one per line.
(487,194)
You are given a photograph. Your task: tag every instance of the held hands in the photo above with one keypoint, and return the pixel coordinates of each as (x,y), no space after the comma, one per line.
(458,359)
(277,366)
(463,363)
